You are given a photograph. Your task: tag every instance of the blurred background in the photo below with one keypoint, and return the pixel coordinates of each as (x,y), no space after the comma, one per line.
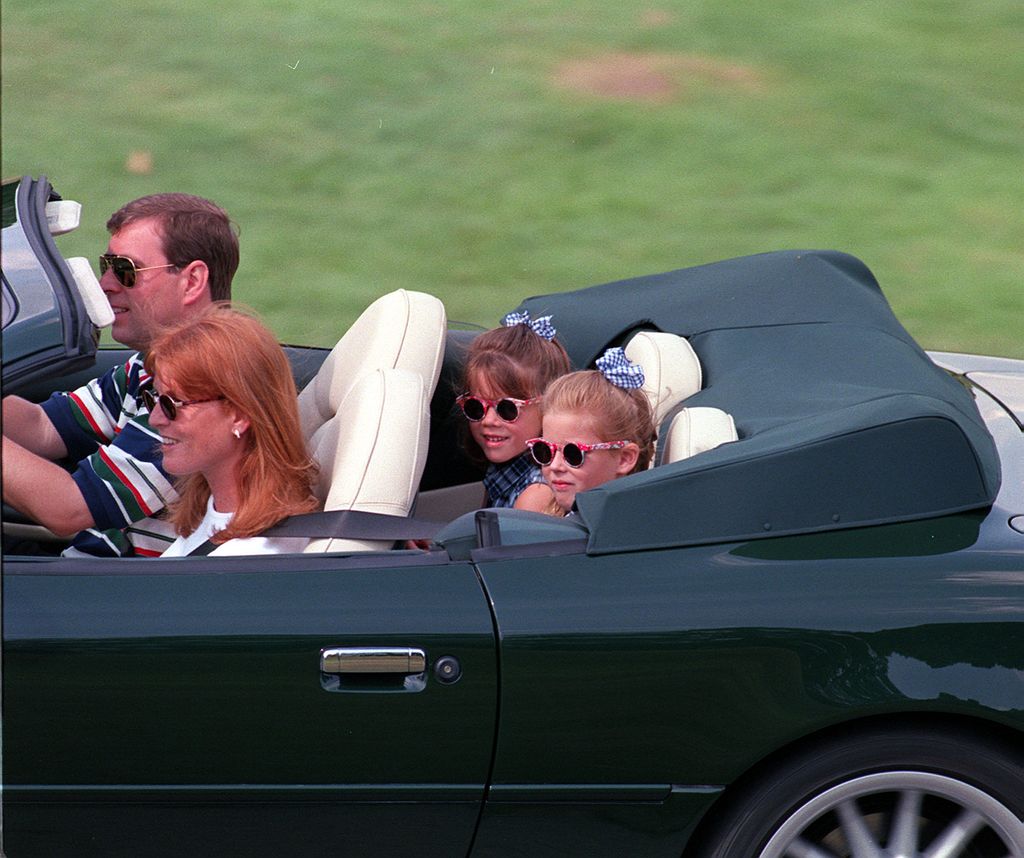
(486,151)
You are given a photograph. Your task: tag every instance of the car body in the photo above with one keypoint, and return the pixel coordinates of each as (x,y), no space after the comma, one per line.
(811,636)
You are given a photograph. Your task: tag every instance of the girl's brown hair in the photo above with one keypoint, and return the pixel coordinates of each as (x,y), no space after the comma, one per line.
(225,352)
(617,414)
(516,361)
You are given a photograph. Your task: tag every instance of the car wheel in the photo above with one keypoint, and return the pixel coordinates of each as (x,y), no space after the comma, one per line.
(896,794)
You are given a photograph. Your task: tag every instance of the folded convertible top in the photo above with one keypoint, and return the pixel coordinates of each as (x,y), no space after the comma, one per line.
(843,419)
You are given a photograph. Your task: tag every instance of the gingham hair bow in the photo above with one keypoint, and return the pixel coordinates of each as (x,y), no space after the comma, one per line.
(542,327)
(620,370)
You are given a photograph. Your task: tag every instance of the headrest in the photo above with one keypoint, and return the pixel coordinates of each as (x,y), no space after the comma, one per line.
(400,330)
(671,369)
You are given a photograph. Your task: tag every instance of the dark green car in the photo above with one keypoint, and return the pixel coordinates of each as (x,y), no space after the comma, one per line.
(805,641)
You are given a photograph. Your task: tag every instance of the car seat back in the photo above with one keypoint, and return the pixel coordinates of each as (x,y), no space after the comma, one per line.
(696,430)
(372,452)
(400,330)
(672,371)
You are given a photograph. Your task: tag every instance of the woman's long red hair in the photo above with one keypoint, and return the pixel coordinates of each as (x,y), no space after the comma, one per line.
(228,353)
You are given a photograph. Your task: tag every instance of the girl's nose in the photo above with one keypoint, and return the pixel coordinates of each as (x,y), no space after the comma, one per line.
(557,461)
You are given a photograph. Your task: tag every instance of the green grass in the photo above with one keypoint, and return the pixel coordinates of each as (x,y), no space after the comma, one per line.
(371,146)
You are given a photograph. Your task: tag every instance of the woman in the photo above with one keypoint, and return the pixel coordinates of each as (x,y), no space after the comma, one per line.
(224,403)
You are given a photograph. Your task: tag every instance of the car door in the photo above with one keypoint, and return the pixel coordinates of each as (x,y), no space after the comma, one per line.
(300,705)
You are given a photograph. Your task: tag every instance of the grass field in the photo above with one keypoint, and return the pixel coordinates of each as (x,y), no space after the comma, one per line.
(487,151)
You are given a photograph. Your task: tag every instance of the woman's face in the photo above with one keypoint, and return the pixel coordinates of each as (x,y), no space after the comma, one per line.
(599,466)
(501,441)
(201,437)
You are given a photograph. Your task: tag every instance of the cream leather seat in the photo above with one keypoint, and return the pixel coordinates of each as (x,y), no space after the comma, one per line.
(366,414)
(696,430)
(672,371)
(372,453)
(672,374)
(400,330)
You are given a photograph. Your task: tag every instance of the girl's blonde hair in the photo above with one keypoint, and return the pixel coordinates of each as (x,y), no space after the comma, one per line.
(227,352)
(617,414)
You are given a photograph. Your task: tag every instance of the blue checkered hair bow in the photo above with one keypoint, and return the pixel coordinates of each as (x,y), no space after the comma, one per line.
(542,327)
(620,370)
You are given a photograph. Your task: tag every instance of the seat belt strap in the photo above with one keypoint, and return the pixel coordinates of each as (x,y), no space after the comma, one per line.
(355,524)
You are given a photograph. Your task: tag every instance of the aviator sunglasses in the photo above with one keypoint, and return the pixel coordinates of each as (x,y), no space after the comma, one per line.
(507,408)
(125,269)
(168,404)
(574,453)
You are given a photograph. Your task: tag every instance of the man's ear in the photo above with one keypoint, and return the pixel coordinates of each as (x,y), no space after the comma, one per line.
(627,459)
(197,282)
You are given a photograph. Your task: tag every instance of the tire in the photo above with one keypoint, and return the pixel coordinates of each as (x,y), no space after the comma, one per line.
(911,793)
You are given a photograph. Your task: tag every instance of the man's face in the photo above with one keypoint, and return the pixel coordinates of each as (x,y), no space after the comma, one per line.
(157,298)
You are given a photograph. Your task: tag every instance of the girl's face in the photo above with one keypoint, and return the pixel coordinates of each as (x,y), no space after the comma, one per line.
(500,441)
(599,466)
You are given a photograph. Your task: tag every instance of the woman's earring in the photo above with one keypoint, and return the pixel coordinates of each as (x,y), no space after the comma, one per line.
(236,433)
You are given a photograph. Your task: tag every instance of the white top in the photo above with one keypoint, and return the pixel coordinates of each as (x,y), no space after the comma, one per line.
(214,522)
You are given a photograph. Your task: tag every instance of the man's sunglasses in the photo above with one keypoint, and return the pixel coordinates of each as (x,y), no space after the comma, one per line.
(168,405)
(574,453)
(507,408)
(125,269)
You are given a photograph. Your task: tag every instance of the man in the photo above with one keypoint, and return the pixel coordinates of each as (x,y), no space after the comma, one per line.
(169,256)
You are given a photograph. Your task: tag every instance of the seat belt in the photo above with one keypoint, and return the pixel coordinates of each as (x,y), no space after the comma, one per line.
(203,549)
(354,524)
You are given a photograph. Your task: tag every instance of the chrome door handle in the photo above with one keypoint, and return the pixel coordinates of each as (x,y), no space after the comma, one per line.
(373,660)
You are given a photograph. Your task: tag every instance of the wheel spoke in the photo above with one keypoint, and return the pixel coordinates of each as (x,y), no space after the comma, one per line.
(957,835)
(903,841)
(858,837)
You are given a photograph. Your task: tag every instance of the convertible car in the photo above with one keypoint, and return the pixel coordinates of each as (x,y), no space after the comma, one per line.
(799,633)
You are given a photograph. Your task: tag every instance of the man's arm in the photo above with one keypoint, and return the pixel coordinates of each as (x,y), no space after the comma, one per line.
(43,490)
(27,424)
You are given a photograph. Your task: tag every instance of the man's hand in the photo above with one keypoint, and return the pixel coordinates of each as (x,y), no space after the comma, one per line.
(26,424)
(42,490)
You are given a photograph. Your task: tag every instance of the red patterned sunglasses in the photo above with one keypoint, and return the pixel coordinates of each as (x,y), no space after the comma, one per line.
(574,452)
(507,408)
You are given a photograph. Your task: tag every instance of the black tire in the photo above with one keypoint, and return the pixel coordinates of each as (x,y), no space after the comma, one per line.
(900,791)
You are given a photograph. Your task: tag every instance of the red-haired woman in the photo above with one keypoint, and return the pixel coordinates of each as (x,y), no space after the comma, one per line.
(224,403)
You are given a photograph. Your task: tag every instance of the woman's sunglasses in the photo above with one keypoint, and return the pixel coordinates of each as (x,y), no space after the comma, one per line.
(574,453)
(507,408)
(168,405)
(124,268)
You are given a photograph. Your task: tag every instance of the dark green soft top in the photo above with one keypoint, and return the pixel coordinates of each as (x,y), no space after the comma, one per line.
(843,419)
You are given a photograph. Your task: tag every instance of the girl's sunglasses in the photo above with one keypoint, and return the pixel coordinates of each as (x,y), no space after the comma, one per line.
(507,408)
(124,268)
(168,405)
(574,453)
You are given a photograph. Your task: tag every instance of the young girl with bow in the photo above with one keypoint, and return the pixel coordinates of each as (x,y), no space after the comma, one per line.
(507,370)
(597,426)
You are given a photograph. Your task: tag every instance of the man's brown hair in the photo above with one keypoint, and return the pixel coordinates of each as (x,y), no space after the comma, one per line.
(192,228)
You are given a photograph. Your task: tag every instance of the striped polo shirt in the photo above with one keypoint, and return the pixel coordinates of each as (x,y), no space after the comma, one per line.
(105,426)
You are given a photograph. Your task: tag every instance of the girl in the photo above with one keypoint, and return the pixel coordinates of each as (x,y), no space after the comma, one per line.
(507,370)
(224,403)
(598,426)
